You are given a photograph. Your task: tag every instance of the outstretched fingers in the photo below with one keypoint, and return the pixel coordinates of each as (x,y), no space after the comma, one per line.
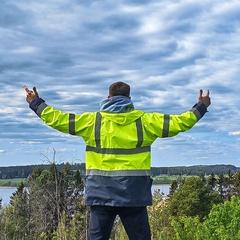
(208,93)
(26,89)
(201,93)
(35,91)
(31,94)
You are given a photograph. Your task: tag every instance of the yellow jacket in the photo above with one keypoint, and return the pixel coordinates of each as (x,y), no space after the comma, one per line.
(118,148)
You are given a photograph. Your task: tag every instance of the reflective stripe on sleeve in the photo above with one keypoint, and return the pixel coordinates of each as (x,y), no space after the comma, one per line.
(72,124)
(166,125)
(196,112)
(40,108)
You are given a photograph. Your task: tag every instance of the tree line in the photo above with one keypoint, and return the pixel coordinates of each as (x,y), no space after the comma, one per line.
(52,207)
(11,172)
(195,170)
(24,171)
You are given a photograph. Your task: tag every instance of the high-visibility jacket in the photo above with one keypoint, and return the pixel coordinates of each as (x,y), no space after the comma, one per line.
(118,148)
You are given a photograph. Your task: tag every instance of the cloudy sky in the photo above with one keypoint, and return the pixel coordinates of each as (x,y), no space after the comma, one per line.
(167,50)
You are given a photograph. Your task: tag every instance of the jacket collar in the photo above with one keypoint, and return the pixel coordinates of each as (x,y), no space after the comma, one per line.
(117,104)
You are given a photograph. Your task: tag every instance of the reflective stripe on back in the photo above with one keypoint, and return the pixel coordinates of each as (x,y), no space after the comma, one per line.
(117,173)
(118,150)
(98,129)
(139,132)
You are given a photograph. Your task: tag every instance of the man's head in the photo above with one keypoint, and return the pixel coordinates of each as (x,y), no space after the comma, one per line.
(119,88)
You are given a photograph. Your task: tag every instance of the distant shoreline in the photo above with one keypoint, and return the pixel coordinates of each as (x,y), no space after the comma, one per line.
(13,182)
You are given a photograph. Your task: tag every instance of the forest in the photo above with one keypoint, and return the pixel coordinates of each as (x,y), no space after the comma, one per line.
(52,207)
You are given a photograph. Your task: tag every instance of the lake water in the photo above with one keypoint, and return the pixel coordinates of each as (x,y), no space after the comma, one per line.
(164,188)
(6,192)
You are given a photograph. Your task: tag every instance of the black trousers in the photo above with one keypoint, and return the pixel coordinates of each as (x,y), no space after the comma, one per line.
(134,220)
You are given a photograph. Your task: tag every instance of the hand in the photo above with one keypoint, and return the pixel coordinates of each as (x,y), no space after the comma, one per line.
(204,99)
(30,94)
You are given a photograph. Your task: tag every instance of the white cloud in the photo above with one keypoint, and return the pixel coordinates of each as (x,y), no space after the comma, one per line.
(25,50)
(234,133)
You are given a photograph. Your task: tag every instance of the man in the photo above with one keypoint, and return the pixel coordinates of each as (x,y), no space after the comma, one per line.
(118,150)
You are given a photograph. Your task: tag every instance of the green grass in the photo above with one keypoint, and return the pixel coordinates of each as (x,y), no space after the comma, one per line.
(167,179)
(13,182)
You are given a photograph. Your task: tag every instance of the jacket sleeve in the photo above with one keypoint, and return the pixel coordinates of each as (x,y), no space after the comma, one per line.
(74,124)
(173,124)
(164,125)
(53,118)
